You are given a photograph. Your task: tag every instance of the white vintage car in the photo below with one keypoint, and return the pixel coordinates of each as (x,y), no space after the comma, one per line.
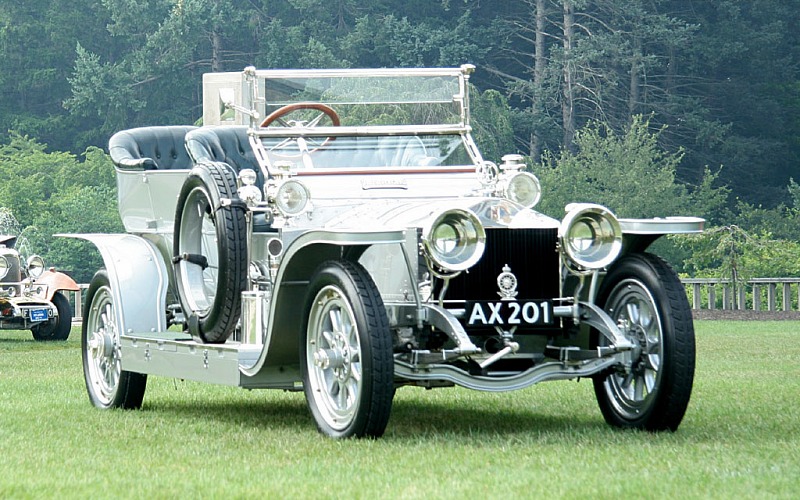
(338,232)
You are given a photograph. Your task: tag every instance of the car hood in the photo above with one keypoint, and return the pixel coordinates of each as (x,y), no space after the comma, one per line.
(403,214)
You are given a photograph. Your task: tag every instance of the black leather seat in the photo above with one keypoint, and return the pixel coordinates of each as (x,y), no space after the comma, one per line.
(151,148)
(228,144)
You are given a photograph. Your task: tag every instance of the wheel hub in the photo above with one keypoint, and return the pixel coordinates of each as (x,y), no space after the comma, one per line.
(637,336)
(101,345)
(336,357)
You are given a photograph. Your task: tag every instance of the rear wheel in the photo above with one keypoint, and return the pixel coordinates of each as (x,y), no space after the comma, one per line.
(57,328)
(346,353)
(644,296)
(210,251)
(108,385)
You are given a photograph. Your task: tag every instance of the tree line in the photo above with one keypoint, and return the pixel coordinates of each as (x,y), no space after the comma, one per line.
(713,85)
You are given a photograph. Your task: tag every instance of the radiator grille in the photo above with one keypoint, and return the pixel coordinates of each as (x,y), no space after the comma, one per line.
(530,253)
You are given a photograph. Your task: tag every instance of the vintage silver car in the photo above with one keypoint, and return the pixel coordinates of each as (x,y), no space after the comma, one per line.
(338,232)
(32,297)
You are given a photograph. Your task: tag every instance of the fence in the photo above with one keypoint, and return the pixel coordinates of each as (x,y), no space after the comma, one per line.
(77,303)
(757,294)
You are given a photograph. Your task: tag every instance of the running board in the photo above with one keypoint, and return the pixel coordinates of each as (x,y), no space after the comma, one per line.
(176,355)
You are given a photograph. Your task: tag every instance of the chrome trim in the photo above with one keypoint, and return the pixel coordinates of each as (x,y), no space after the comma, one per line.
(612,246)
(446,322)
(4,269)
(547,371)
(468,222)
(537,186)
(593,315)
(35,266)
(376,130)
(360,72)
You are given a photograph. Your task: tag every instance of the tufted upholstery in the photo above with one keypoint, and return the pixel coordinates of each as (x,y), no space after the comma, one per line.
(226,143)
(150,148)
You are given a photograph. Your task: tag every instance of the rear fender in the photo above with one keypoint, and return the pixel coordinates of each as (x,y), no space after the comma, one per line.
(138,277)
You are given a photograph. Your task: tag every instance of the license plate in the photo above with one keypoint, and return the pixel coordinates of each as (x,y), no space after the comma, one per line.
(38,314)
(509,313)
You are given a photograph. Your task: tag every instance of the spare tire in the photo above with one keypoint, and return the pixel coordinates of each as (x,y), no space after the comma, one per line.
(210,251)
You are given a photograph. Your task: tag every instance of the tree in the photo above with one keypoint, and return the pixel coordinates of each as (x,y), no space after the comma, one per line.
(155,79)
(54,192)
(581,61)
(67,214)
(734,253)
(686,64)
(392,41)
(35,36)
(721,75)
(491,121)
(746,54)
(103,93)
(625,172)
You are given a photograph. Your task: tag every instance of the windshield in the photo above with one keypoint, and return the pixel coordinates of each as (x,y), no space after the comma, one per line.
(371,151)
(415,117)
(364,100)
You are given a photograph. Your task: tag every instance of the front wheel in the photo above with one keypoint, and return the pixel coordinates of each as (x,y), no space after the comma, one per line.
(108,385)
(57,328)
(644,296)
(346,353)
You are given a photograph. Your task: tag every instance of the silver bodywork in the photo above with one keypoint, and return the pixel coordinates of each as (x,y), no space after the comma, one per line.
(374,214)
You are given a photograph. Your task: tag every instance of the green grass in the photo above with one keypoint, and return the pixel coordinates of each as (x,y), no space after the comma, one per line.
(740,437)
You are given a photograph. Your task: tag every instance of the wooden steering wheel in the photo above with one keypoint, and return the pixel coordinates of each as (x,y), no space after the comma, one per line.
(302,142)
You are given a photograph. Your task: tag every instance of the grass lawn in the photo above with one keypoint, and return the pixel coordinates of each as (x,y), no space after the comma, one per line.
(740,437)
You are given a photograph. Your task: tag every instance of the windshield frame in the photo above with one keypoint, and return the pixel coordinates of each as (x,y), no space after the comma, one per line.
(257,81)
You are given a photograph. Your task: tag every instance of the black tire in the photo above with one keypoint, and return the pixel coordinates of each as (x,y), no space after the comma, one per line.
(57,328)
(210,276)
(107,384)
(346,353)
(645,293)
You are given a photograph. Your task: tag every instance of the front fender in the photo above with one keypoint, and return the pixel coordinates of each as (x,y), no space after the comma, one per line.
(56,281)
(138,277)
(300,260)
(638,234)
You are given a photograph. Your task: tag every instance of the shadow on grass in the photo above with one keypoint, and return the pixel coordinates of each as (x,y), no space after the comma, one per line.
(410,418)
(415,418)
(256,413)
